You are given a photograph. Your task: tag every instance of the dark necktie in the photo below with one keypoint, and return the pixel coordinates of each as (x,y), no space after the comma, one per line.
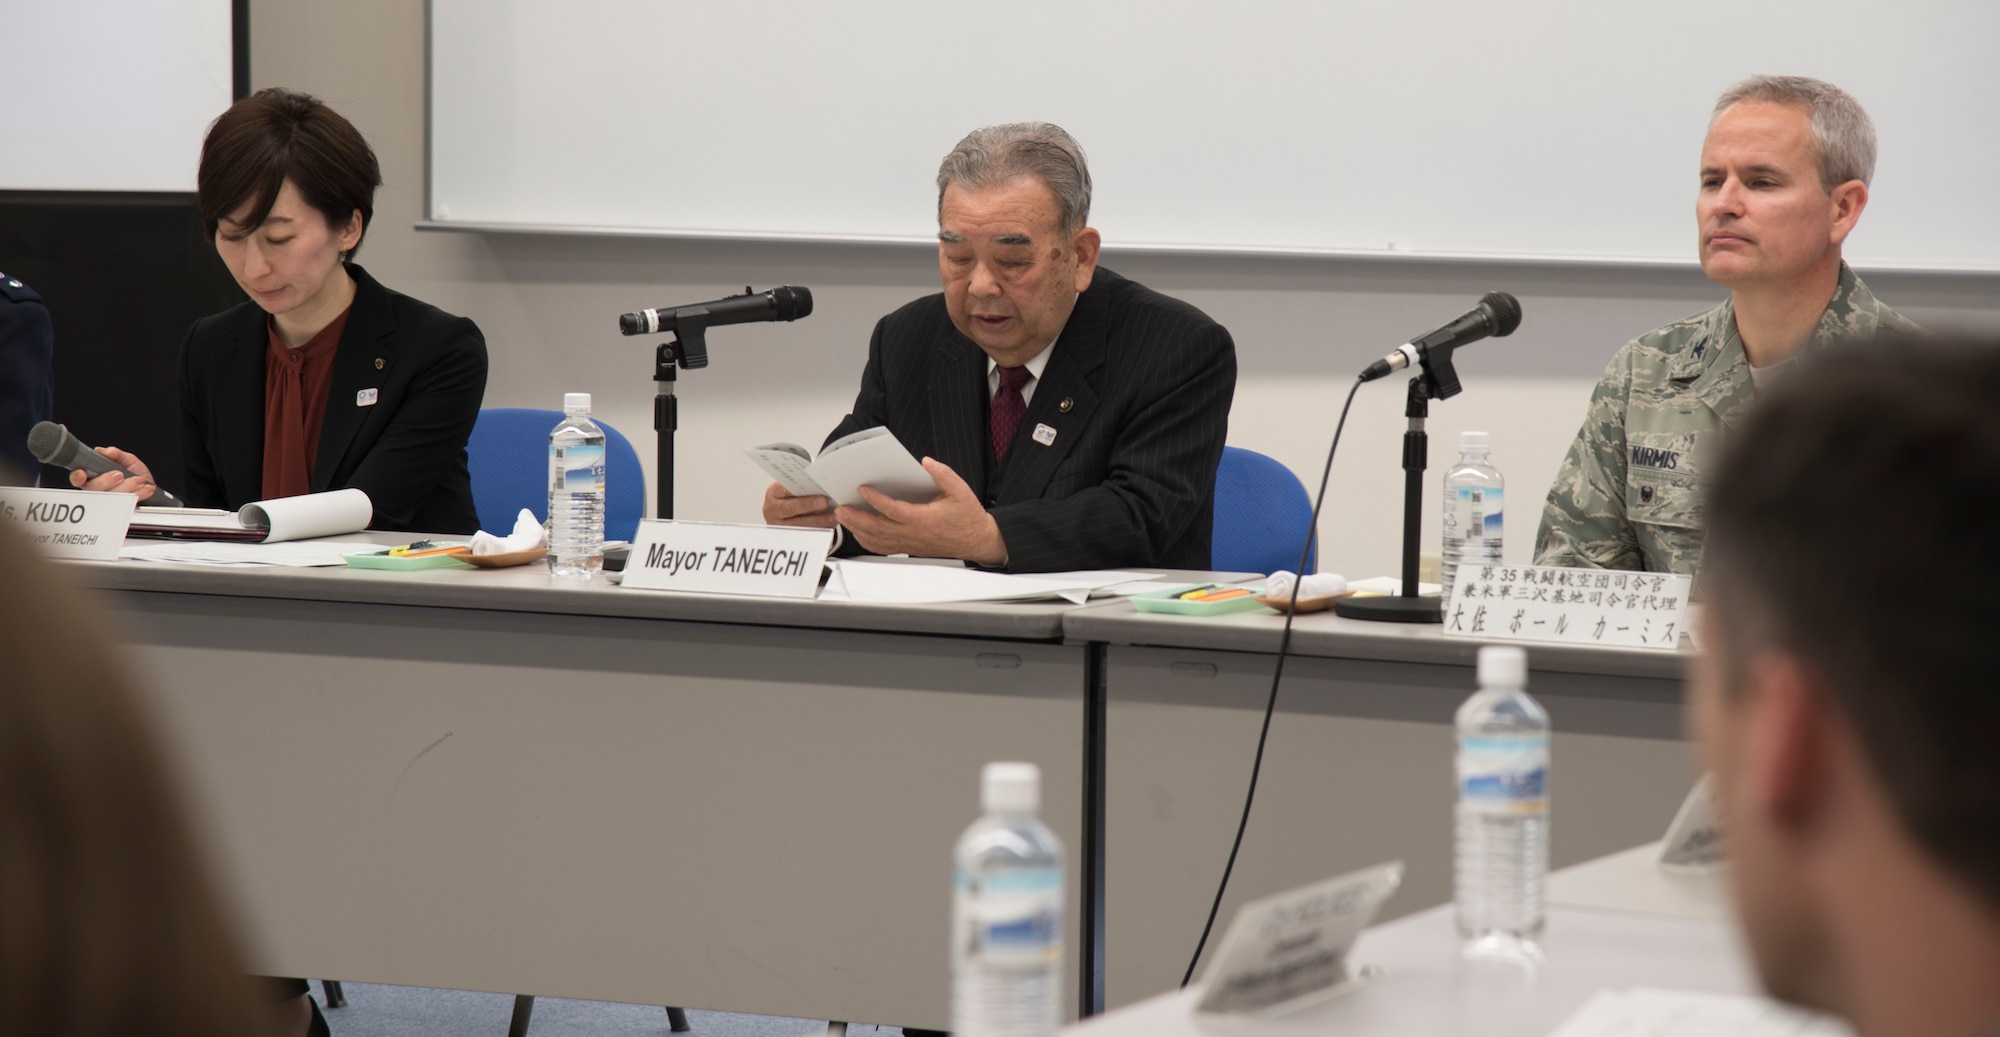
(1004,416)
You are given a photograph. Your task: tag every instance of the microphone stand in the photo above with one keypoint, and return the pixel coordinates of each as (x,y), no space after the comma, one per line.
(688,348)
(1437,381)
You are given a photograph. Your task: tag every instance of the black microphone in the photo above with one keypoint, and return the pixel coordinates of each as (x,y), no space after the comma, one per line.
(53,444)
(1497,315)
(787,302)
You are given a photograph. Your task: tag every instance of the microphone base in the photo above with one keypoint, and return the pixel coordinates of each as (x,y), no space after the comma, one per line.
(1395,609)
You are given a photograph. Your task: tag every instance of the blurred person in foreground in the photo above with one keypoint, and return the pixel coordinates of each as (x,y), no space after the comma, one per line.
(109,925)
(1846,701)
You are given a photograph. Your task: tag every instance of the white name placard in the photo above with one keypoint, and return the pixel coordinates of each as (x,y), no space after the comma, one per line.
(1694,841)
(1294,946)
(1568,606)
(69,523)
(727,558)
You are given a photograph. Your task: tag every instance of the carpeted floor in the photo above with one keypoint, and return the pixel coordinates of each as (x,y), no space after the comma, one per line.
(381,1011)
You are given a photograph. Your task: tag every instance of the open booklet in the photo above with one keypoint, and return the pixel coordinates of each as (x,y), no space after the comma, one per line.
(267,521)
(872,457)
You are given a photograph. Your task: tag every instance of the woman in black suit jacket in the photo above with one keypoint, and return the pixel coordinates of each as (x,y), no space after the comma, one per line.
(325,379)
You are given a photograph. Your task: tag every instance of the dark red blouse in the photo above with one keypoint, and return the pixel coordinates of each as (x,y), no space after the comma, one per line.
(295,386)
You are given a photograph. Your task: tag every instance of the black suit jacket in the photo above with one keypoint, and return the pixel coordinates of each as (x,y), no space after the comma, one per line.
(27,379)
(406,450)
(1137,391)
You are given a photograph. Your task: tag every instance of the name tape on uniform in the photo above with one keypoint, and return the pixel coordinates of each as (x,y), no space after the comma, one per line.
(1568,606)
(69,523)
(727,558)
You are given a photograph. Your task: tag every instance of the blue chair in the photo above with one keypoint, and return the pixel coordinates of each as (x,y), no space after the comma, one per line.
(1262,514)
(509,458)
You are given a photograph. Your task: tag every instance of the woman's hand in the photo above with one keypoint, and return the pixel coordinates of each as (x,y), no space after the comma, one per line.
(140,484)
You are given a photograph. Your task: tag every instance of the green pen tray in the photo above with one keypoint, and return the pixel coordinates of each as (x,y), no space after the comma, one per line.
(1168,600)
(401,563)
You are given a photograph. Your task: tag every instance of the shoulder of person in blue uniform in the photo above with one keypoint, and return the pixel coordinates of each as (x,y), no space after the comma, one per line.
(13,289)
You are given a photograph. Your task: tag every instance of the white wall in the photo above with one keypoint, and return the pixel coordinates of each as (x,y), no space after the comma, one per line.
(1273,117)
(111,95)
(548,306)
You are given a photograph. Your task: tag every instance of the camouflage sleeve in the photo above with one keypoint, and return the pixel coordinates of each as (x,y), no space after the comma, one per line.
(1584,522)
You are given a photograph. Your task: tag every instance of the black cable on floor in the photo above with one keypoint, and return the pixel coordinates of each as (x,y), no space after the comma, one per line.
(1277,672)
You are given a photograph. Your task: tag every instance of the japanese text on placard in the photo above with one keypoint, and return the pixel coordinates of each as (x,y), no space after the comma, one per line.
(1573,606)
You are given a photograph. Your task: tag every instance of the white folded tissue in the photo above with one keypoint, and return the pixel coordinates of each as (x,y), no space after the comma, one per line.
(1318,585)
(527,535)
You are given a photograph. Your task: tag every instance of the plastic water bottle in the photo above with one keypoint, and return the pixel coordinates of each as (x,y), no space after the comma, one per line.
(1473,492)
(576,491)
(1502,856)
(1007,913)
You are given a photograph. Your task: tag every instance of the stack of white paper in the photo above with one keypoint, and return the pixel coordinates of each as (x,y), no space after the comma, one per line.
(226,555)
(285,518)
(899,583)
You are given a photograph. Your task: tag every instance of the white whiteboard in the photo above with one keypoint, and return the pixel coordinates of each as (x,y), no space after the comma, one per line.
(1536,129)
(110,95)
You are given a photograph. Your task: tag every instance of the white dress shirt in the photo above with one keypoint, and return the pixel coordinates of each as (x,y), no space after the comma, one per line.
(1034,367)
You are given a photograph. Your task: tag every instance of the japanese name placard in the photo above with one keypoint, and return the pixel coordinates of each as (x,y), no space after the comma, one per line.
(1568,606)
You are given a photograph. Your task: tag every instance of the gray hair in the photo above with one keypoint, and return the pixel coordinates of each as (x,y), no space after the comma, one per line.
(994,155)
(1843,137)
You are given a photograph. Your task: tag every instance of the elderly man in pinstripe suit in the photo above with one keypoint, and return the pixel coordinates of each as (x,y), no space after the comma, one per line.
(1072,419)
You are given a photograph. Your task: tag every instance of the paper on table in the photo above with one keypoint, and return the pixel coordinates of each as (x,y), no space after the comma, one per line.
(1644,1012)
(894,583)
(284,518)
(1130,587)
(1105,583)
(1388,585)
(227,555)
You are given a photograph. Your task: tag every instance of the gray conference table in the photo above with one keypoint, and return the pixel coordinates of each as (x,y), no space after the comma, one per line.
(489,780)
(1358,769)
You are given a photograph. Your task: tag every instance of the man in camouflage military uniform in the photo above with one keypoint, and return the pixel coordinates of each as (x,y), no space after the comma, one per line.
(1784,178)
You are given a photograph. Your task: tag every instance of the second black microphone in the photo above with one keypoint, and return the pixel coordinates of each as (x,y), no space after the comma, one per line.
(786,302)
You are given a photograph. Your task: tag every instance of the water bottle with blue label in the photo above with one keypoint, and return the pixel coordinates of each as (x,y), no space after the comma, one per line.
(1007,913)
(1473,493)
(576,491)
(1502,850)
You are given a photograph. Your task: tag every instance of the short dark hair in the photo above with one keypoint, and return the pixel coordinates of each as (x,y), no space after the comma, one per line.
(1854,522)
(275,135)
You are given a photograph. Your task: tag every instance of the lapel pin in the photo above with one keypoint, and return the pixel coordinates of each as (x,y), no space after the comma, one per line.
(365,398)
(378,363)
(1065,406)
(1044,434)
